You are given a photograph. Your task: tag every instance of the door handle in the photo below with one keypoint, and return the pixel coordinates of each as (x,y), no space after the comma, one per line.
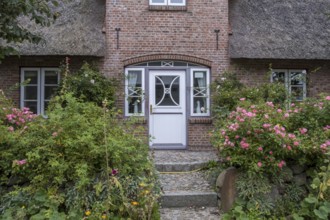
(150,109)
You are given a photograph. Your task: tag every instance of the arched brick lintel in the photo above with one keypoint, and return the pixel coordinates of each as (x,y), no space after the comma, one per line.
(177,57)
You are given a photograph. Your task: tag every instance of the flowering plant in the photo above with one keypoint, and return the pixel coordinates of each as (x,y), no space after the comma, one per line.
(265,138)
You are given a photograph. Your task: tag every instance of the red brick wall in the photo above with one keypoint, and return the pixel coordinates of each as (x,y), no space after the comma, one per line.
(10,69)
(253,72)
(188,31)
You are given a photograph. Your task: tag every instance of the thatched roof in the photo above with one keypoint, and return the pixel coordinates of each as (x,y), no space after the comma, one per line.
(77,31)
(286,29)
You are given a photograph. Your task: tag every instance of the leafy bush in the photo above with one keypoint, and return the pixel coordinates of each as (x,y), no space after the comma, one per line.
(263,138)
(79,162)
(89,85)
(228,90)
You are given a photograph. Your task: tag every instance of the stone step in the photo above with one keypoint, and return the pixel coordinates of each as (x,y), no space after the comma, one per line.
(178,161)
(187,190)
(189,199)
(191,213)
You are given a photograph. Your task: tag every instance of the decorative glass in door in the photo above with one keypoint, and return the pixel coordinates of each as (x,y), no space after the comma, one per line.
(167,90)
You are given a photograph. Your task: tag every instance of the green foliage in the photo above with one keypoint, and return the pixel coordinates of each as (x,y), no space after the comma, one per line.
(263,138)
(89,85)
(228,90)
(39,12)
(80,161)
(258,132)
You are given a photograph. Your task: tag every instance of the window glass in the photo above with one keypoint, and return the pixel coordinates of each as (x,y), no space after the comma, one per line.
(177,1)
(200,99)
(37,93)
(51,77)
(158,1)
(32,76)
(294,80)
(134,92)
(167,90)
(278,77)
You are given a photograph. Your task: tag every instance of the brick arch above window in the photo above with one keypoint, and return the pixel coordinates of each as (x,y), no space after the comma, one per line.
(176,57)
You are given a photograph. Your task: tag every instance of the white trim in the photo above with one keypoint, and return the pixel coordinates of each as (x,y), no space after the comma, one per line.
(192,91)
(288,85)
(40,86)
(168,2)
(143,89)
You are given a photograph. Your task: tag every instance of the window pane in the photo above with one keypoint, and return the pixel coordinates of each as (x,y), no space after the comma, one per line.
(49,91)
(297,78)
(176,1)
(297,93)
(51,77)
(134,78)
(134,105)
(158,1)
(200,105)
(167,90)
(278,77)
(32,76)
(32,106)
(30,93)
(200,79)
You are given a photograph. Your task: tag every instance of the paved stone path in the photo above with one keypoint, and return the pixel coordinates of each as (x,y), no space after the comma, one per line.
(200,213)
(187,195)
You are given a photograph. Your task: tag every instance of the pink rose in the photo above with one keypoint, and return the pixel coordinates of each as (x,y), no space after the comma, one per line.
(259,164)
(303,130)
(242,99)
(327,98)
(260,148)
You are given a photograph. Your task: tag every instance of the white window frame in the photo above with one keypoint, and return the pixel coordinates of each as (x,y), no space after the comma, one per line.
(287,77)
(192,70)
(168,2)
(40,86)
(143,90)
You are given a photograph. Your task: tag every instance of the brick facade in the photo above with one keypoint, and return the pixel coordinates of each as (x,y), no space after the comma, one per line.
(253,72)
(168,33)
(10,69)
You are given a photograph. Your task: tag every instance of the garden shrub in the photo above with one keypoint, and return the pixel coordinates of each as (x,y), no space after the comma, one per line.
(89,85)
(264,138)
(227,91)
(80,162)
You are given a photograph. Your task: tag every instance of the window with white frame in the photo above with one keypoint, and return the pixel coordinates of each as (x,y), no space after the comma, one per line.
(200,101)
(168,2)
(38,86)
(294,80)
(134,90)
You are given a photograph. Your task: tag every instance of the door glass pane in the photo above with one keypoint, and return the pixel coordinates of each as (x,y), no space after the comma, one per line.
(49,91)
(51,77)
(30,93)
(167,90)
(278,77)
(32,106)
(32,76)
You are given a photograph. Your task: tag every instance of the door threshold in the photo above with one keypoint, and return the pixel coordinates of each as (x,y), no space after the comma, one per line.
(168,147)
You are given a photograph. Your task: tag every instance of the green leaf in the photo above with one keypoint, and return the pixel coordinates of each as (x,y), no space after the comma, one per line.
(321,214)
(311,200)
(297,217)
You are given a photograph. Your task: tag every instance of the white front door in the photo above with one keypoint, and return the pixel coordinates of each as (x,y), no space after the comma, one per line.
(167,109)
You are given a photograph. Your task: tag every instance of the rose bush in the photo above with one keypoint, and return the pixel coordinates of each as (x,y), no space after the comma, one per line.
(264,138)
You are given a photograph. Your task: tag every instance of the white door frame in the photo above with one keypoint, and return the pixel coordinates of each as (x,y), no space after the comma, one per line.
(167,124)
